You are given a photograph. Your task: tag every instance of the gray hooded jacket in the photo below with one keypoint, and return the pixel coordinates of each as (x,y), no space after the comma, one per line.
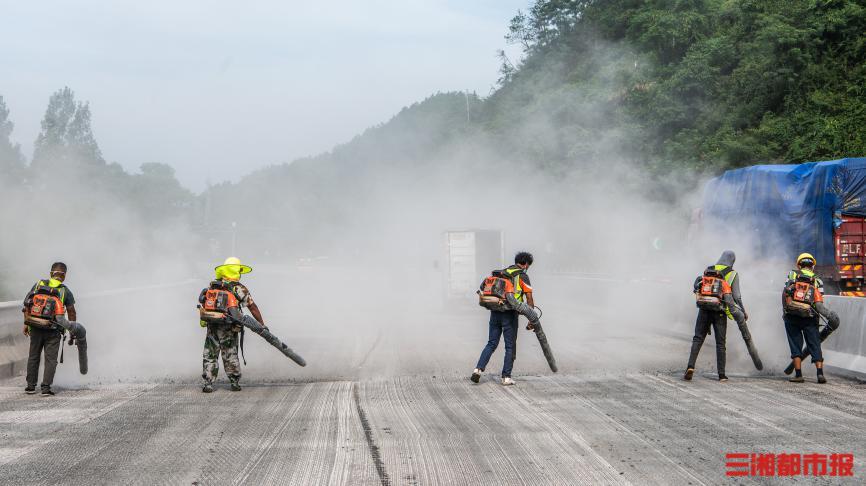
(728,258)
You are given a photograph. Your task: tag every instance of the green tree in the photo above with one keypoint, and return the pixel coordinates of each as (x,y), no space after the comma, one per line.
(158,194)
(66,139)
(700,84)
(11,160)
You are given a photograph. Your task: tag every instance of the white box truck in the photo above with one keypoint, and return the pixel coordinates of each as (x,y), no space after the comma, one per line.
(471,255)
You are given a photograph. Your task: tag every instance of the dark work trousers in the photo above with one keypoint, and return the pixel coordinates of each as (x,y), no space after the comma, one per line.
(501,324)
(719,323)
(47,340)
(798,328)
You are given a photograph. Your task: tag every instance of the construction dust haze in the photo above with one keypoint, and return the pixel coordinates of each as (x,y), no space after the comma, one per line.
(348,247)
(401,193)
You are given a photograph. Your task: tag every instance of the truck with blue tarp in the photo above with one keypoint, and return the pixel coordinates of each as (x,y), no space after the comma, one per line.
(784,210)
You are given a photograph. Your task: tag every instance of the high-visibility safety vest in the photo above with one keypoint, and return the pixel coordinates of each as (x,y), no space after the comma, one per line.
(793,274)
(54,284)
(729,274)
(514,274)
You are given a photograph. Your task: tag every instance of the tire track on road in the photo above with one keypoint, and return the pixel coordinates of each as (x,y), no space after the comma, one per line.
(384,480)
(617,425)
(264,446)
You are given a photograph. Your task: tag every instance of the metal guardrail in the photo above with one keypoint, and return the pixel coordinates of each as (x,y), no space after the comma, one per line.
(10,312)
(13,342)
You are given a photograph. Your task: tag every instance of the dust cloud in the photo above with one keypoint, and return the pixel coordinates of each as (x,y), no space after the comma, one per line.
(360,293)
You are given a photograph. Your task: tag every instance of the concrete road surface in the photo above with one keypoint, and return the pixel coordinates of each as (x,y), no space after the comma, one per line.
(576,428)
(386,400)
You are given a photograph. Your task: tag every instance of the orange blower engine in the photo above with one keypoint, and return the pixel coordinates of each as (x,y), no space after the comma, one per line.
(217,303)
(801,296)
(43,307)
(710,295)
(493,291)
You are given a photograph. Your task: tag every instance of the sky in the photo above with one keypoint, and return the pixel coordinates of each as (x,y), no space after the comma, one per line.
(217,89)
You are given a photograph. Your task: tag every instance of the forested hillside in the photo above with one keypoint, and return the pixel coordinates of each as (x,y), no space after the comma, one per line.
(655,93)
(652,94)
(706,84)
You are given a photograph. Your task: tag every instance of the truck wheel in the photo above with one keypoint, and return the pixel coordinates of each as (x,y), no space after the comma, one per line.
(832,288)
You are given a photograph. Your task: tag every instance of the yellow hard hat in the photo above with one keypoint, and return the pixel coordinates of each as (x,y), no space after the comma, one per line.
(806,256)
(231,269)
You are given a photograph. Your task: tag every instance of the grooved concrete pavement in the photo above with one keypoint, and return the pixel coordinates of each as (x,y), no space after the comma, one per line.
(389,402)
(576,428)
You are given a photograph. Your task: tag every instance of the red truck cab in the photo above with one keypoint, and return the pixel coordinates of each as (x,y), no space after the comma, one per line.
(847,275)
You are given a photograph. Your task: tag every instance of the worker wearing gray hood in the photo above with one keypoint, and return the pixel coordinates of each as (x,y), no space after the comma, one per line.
(707,320)
(727,259)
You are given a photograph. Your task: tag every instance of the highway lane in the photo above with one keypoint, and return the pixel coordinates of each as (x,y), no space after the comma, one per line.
(386,400)
(577,428)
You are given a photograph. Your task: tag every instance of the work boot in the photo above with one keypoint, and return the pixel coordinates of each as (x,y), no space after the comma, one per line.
(689,373)
(235,386)
(476,375)
(723,378)
(796,379)
(46,392)
(821,379)
(507,381)
(207,388)
(30,390)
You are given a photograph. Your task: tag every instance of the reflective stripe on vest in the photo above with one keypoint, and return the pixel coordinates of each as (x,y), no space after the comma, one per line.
(809,273)
(803,271)
(729,278)
(54,286)
(518,289)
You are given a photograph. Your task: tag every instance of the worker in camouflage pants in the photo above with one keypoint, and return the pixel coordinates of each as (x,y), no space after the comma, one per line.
(221,338)
(223,333)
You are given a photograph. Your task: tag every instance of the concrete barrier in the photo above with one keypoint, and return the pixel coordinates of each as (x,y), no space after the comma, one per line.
(13,342)
(846,348)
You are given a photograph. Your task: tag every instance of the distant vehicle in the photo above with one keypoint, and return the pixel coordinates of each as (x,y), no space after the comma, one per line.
(816,207)
(470,256)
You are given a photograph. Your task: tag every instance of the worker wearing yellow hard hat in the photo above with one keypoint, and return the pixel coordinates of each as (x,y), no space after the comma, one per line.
(806,266)
(221,306)
(806,259)
(225,294)
(231,269)
(802,304)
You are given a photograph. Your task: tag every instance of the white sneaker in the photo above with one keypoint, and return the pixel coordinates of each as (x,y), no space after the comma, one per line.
(507,381)
(476,375)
